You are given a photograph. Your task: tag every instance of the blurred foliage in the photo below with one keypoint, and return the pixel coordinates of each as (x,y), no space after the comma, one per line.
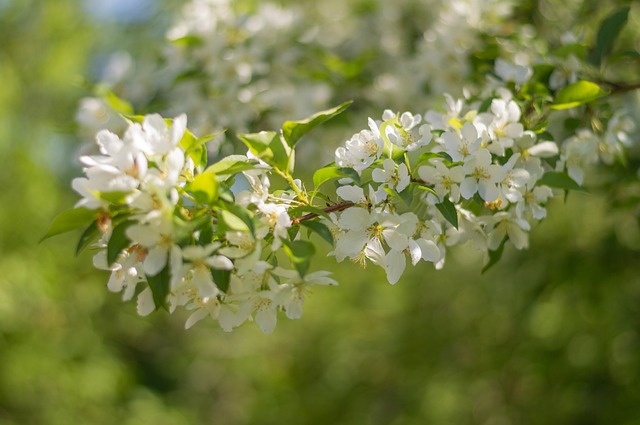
(550,335)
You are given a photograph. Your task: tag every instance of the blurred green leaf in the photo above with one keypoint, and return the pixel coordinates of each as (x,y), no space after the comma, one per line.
(70,220)
(495,256)
(204,187)
(300,253)
(560,180)
(294,130)
(577,94)
(333,172)
(608,32)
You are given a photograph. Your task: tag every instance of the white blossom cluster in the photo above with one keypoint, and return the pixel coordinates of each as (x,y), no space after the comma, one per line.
(486,165)
(139,185)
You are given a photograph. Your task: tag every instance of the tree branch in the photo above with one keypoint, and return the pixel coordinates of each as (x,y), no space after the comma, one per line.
(333,208)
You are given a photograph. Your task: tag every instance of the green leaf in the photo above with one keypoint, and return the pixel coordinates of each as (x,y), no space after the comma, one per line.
(221,278)
(114,197)
(70,220)
(268,146)
(333,172)
(237,218)
(90,234)
(232,164)
(608,32)
(159,285)
(294,130)
(577,94)
(195,147)
(118,241)
(560,181)
(494,256)
(448,211)
(300,253)
(117,104)
(204,187)
(320,228)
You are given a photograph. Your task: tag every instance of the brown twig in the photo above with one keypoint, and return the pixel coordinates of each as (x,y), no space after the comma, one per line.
(333,208)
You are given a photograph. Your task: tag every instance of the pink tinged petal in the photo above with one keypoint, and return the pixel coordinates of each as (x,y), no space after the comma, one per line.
(156,260)
(395,263)
(145,304)
(429,250)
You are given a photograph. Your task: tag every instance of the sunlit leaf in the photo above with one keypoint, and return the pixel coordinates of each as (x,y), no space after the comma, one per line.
(333,172)
(577,94)
(70,220)
(294,130)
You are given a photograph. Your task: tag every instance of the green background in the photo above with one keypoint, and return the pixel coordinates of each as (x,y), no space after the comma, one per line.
(549,336)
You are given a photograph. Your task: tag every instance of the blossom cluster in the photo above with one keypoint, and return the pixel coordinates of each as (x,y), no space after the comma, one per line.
(152,225)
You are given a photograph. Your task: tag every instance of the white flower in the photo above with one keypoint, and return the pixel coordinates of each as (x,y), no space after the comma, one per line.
(505,223)
(291,293)
(397,179)
(462,146)
(511,72)
(532,202)
(404,134)
(482,177)
(445,181)
(200,262)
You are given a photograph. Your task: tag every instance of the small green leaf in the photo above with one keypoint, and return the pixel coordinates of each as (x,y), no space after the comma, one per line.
(90,234)
(333,172)
(237,218)
(560,181)
(117,104)
(159,285)
(221,278)
(320,228)
(494,256)
(300,253)
(268,146)
(118,241)
(577,94)
(294,130)
(70,220)
(608,32)
(232,164)
(117,198)
(204,187)
(448,211)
